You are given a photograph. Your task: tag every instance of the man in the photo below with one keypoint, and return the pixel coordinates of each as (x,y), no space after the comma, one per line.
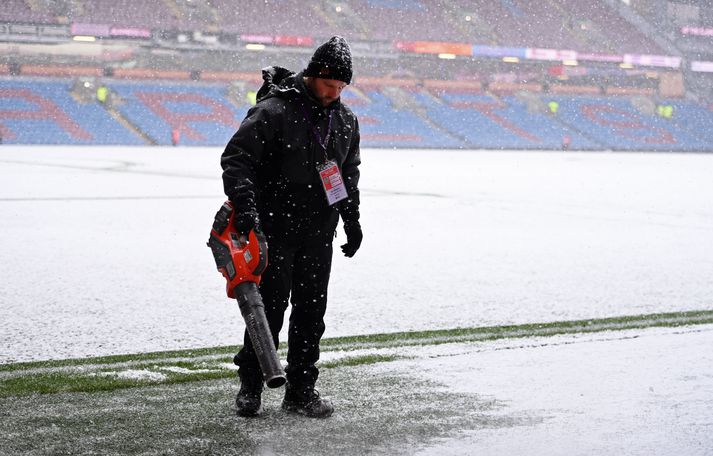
(291,170)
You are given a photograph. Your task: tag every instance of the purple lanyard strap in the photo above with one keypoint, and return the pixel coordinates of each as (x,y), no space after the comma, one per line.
(322,141)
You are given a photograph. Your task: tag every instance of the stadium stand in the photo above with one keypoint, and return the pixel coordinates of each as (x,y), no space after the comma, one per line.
(126,13)
(594,21)
(258,17)
(44,112)
(614,123)
(405,20)
(520,23)
(693,117)
(200,112)
(19,11)
(482,121)
(382,125)
(557,24)
(175,82)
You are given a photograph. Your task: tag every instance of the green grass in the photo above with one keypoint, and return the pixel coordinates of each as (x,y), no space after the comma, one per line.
(115,359)
(170,367)
(433,337)
(359,360)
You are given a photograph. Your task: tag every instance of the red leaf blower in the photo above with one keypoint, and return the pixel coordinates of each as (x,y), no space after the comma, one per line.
(242,260)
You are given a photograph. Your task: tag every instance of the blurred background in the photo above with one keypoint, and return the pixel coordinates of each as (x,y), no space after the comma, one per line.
(478,74)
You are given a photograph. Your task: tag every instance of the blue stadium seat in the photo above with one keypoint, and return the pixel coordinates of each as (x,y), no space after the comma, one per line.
(200,111)
(484,122)
(694,118)
(616,124)
(44,112)
(383,126)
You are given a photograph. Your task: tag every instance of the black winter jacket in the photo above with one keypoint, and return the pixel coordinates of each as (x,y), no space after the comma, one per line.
(276,150)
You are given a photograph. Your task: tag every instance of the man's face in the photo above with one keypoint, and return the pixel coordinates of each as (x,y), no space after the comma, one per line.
(326,90)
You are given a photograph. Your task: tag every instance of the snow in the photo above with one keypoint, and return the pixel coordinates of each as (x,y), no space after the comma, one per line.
(136,374)
(636,392)
(103,249)
(629,393)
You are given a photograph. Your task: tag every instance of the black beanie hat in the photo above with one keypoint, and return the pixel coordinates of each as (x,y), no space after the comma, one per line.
(332,60)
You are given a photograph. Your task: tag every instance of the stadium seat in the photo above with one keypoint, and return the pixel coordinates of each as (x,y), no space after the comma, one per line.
(200,112)
(44,112)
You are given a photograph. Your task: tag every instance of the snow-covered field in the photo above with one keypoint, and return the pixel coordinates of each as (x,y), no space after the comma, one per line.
(102,250)
(631,393)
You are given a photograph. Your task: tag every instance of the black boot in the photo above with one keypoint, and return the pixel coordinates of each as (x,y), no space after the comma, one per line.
(249,402)
(306,401)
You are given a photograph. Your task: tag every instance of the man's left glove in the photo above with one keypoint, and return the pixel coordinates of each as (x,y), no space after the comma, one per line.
(354,237)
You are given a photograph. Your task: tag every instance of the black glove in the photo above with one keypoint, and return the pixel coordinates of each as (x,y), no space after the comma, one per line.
(243,199)
(246,221)
(354,237)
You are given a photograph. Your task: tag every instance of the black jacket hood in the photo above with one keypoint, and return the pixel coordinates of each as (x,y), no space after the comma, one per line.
(281,82)
(274,82)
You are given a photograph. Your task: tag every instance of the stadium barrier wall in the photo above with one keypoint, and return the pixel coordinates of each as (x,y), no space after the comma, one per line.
(142,73)
(630,91)
(60,70)
(575,89)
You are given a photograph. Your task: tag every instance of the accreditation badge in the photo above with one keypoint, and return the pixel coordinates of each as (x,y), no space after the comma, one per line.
(332,181)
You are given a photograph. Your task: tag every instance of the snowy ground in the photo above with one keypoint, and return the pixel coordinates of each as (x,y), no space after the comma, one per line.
(638,392)
(102,250)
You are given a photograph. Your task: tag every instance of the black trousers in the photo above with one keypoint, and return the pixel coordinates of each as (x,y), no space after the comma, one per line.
(298,275)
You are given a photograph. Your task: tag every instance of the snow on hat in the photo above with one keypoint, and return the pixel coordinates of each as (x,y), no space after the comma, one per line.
(332,60)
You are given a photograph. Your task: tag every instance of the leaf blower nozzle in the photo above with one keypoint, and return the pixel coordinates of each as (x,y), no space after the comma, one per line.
(241,260)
